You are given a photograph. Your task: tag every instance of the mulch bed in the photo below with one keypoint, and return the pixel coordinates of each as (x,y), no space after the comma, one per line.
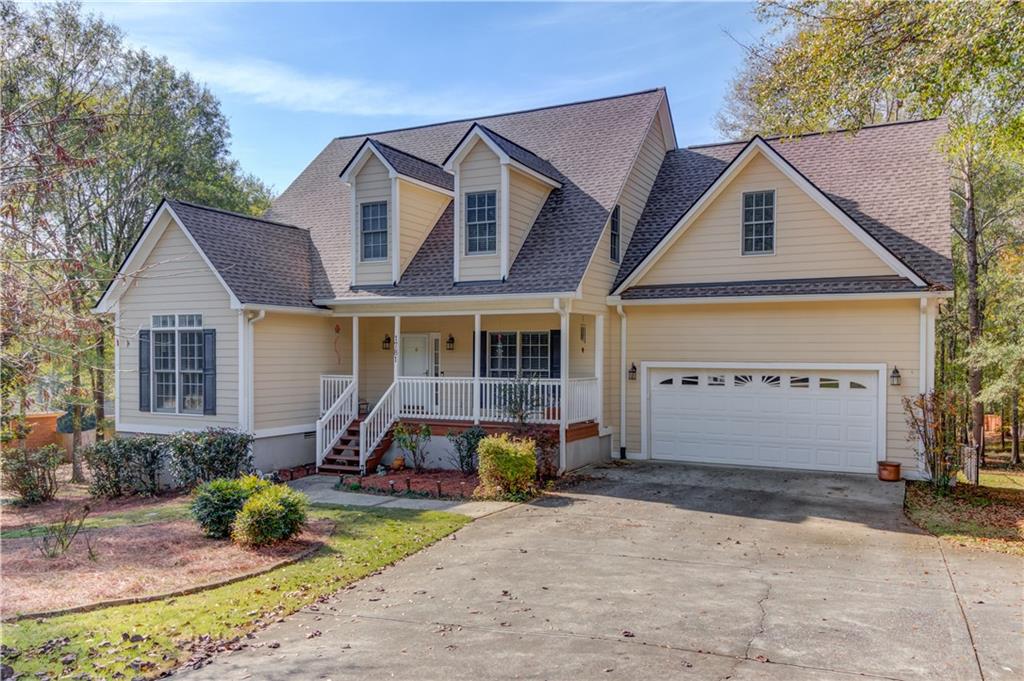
(131,562)
(14,516)
(454,485)
(987,517)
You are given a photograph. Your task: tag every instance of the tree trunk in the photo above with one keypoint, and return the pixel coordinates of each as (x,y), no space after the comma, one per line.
(974,376)
(77,474)
(1015,430)
(1002,426)
(98,376)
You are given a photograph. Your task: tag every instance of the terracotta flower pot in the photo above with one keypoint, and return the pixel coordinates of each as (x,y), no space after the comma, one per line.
(889,471)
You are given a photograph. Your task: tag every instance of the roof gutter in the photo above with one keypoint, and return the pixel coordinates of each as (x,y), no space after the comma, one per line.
(398,300)
(786,298)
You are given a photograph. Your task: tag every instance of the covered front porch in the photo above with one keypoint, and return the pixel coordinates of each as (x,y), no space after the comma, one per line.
(489,369)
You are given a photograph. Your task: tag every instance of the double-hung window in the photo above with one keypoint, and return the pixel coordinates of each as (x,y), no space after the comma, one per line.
(525,353)
(759,223)
(481,223)
(179,363)
(373,227)
(615,234)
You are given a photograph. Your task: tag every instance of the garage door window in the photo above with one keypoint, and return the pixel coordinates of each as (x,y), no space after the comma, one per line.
(689,380)
(829,383)
(716,379)
(799,382)
(771,381)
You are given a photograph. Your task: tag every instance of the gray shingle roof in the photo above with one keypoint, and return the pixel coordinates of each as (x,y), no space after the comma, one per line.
(775,287)
(522,154)
(890,179)
(262,262)
(414,167)
(592,144)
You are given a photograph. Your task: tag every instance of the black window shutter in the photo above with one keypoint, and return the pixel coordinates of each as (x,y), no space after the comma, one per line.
(210,372)
(144,383)
(482,354)
(555,354)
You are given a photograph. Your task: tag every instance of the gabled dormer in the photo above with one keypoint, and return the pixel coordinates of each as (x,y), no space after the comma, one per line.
(500,188)
(396,199)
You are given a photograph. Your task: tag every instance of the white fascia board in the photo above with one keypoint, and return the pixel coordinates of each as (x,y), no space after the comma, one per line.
(140,251)
(540,177)
(467,143)
(398,300)
(367,150)
(902,295)
(256,307)
(425,185)
(758,145)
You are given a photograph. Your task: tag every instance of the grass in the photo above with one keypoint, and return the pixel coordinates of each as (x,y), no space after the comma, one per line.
(989,516)
(140,516)
(99,643)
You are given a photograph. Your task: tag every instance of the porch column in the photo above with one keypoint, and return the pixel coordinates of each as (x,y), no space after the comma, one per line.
(476,368)
(355,354)
(563,393)
(398,345)
(599,366)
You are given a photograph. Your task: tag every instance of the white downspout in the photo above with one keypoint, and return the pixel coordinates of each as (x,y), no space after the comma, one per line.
(622,381)
(249,375)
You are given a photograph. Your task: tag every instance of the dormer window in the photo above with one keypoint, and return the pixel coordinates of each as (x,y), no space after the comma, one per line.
(615,235)
(759,223)
(374,230)
(481,223)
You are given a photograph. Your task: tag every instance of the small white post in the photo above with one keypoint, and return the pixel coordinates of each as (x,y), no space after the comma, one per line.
(599,366)
(398,344)
(355,354)
(563,408)
(476,368)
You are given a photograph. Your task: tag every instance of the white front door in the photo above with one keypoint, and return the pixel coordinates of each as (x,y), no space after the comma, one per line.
(816,420)
(416,356)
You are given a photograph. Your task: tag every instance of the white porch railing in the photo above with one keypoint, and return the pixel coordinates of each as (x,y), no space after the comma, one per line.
(539,396)
(331,388)
(436,398)
(584,400)
(336,420)
(375,426)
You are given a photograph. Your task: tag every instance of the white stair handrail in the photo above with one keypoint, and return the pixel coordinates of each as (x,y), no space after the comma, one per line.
(335,421)
(375,426)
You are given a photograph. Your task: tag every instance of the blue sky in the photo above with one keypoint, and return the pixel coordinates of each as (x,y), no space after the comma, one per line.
(291,77)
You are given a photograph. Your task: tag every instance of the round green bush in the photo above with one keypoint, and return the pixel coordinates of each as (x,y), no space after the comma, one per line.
(201,456)
(270,515)
(216,503)
(508,467)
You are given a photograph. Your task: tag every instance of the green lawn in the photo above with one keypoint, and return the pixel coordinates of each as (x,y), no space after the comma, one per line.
(99,643)
(141,516)
(989,516)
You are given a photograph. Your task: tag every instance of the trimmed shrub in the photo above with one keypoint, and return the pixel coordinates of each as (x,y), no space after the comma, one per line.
(31,473)
(198,457)
(271,515)
(508,466)
(465,445)
(216,503)
(126,465)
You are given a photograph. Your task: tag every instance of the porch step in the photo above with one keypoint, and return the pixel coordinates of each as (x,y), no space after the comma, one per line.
(344,457)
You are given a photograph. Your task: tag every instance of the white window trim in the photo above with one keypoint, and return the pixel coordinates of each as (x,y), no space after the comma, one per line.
(775,223)
(176,329)
(615,235)
(519,350)
(387,231)
(465,225)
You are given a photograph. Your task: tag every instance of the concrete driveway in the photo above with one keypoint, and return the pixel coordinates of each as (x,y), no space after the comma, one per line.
(669,572)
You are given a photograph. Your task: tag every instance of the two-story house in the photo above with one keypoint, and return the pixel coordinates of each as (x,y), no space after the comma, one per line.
(759,303)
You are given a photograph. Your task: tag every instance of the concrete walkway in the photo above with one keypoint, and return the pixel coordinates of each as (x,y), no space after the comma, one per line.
(320,490)
(658,571)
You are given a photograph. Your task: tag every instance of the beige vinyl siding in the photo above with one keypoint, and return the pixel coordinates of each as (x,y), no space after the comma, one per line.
(601,273)
(175,279)
(373,184)
(526,198)
(419,211)
(479,171)
(808,241)
(863,332)
(290,352)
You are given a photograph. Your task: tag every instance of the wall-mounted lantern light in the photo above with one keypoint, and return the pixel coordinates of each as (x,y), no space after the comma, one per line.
(632,372)
(386,344)
(894,377)
(449,344)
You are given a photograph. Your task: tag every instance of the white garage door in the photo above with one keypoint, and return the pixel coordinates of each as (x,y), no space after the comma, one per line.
(819,420)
